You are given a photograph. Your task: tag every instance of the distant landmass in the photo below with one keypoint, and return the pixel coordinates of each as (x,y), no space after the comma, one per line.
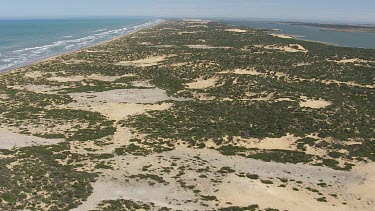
(338,27)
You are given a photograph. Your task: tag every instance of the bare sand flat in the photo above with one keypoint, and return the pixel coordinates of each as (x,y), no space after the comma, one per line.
(148,62)
(236,30)
(34,74)
(124,96)
(352,60)
(314,103)
(42,88)
(88,77)
(291,48)
(162,46)
(205,47)
(9,140)
(198,26)
(284,143)
(197,21)
(282,36)
(228,188)
(247,72)
(119,111)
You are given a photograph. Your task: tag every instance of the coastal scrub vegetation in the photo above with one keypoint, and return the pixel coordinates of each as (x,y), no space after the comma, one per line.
(238,92)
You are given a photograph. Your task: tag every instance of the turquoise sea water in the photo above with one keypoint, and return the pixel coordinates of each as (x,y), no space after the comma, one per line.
(24,41)
(348,39)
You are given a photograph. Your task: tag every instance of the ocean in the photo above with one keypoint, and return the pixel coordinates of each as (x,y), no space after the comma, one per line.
(347,39)
(25,41)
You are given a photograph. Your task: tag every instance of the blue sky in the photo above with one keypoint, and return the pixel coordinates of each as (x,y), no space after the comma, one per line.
(339,10)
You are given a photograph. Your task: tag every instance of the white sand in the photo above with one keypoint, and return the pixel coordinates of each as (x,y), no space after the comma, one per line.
(291,48)
(88,77)
(353,60)
(205,47)
(282,36)
(9,140)
(314,103)
(42,88)
(284,143)
(236,30)
(197,21)
(124,96)
(147,62)
(229,188)
(34,75)
(119,111)
(247,72)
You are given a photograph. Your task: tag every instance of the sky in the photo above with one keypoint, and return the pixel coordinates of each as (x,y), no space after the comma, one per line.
(325,10)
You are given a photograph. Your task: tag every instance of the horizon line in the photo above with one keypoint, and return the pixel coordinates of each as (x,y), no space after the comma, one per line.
(191,17)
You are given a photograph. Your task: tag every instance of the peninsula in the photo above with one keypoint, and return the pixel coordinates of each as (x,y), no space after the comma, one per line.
(191,115)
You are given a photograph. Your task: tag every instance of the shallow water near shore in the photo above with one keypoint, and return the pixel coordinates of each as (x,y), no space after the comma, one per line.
(347,39)
(27,41)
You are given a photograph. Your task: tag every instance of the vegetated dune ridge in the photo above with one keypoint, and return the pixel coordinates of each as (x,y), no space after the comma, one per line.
(191,115)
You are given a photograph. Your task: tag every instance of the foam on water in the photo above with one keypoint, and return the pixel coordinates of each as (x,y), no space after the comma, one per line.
(20,56)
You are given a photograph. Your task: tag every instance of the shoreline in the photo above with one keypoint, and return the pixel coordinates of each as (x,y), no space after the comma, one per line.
(52,56)
(302,38)
(278,29)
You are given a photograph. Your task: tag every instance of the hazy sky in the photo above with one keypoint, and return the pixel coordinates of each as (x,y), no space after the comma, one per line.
(341,10)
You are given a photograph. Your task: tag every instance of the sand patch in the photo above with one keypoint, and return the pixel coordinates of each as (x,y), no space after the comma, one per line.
(348,83)
(107,189)
(205,47)
(353,60)
(284,99)
(196,21)
(284,143)
(301,64)
(124,96)
(305,102)
(34,75)
(162,46)
(198,26)
(119,111)
(202,83)
(199,169)
(236,30)
(247,72)
(145,43)
(43,88)
(291,48)
(121,138)
(284,36)
(9,140)
(242,192)
(252,71)
(88,77)
(367,170)
(265,97)
(148,62)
